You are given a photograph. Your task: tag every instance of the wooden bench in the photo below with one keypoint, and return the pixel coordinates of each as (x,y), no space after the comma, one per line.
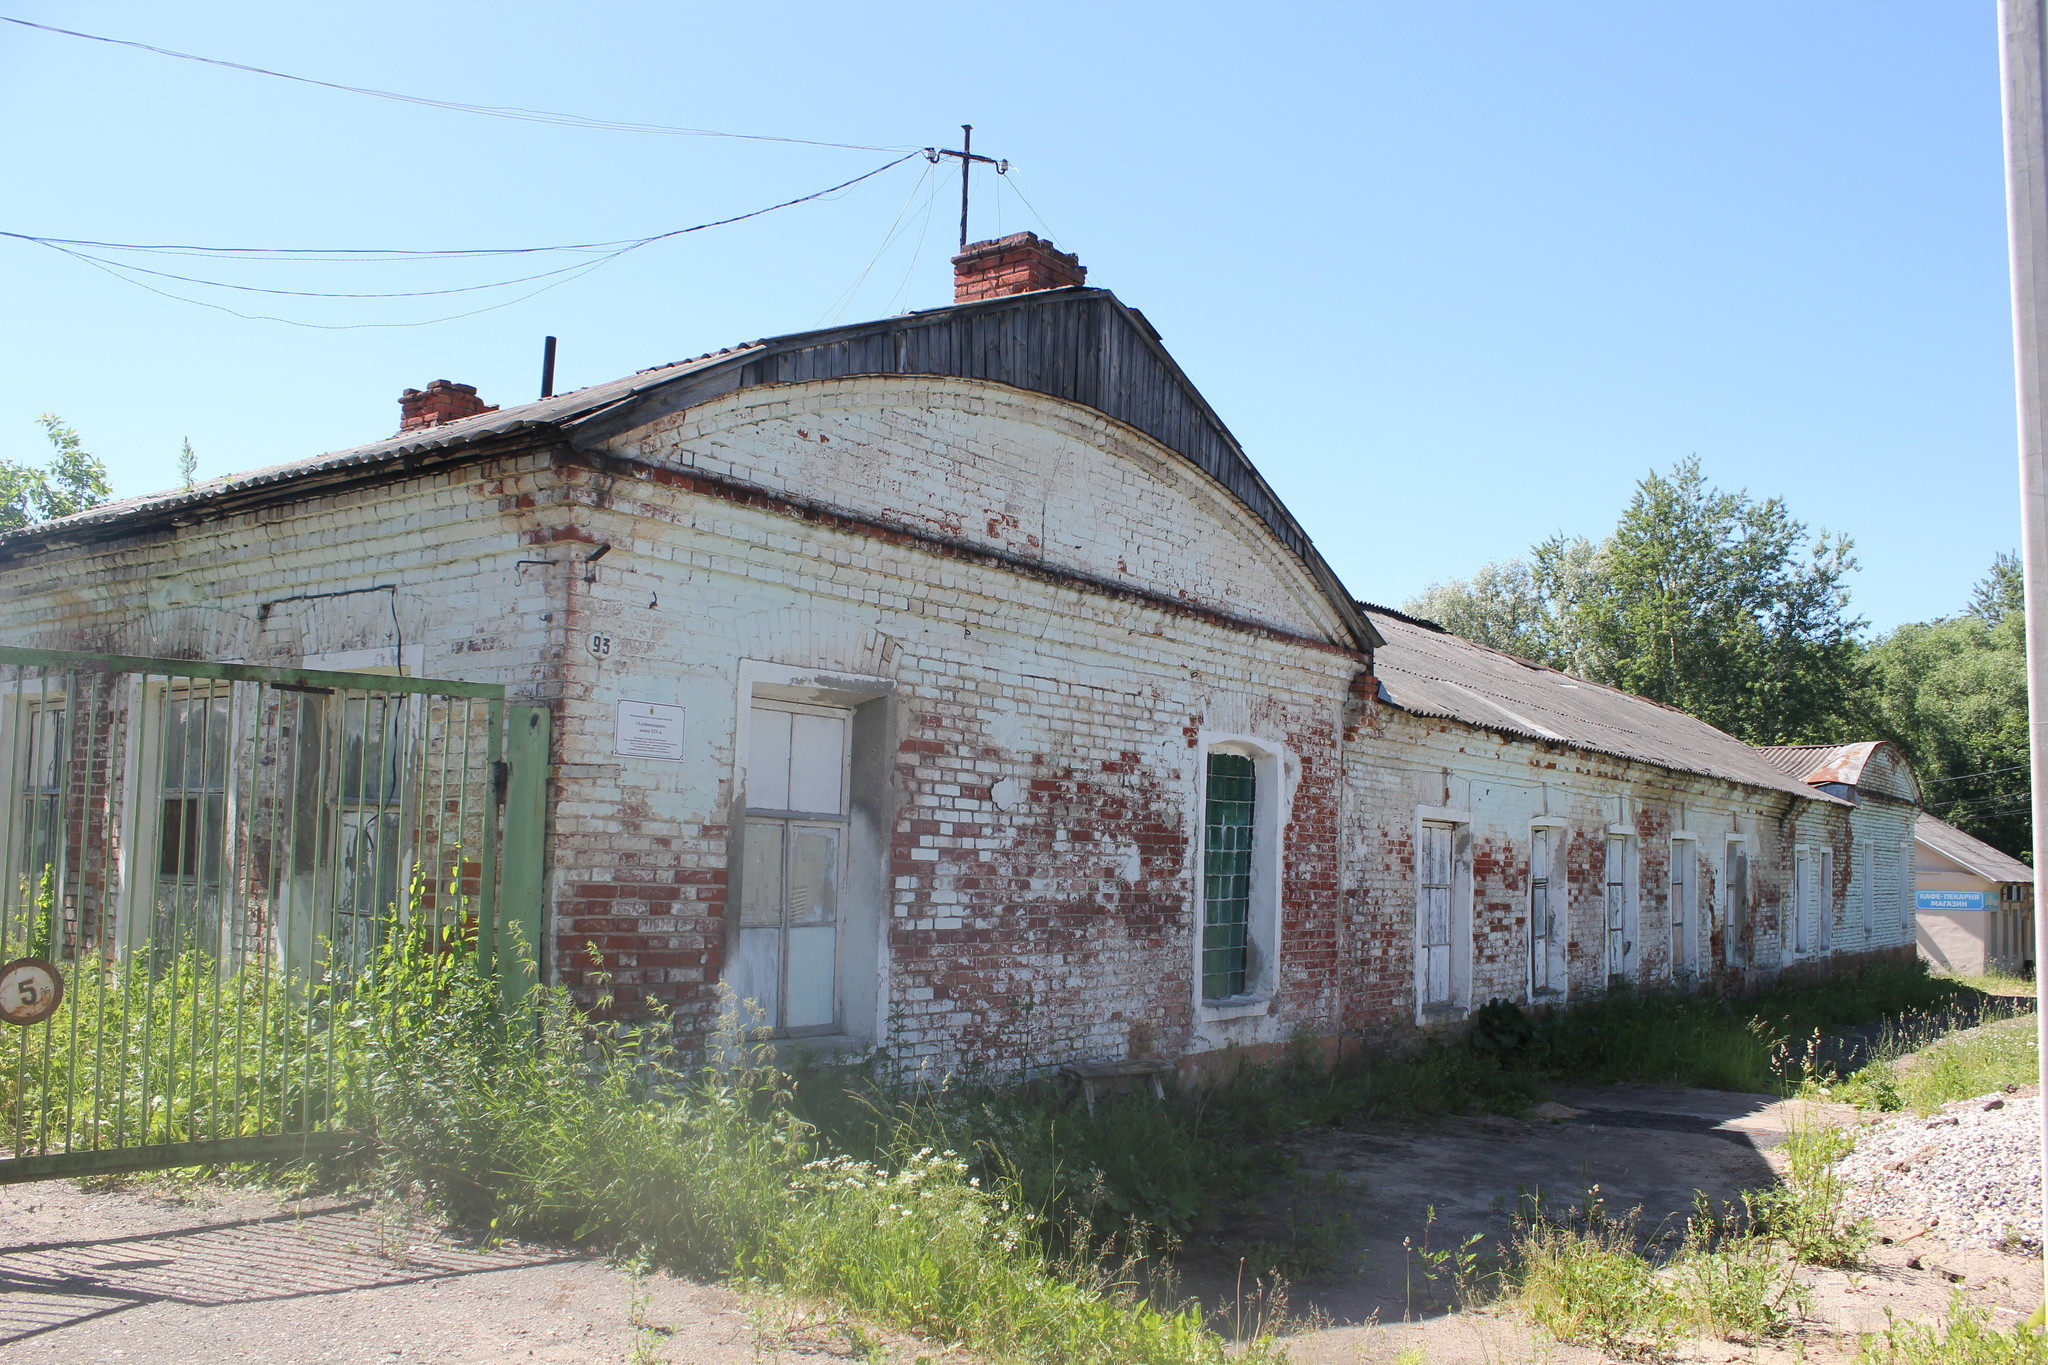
(1106,1076)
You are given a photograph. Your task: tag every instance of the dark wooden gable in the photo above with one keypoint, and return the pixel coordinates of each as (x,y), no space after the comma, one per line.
(1081,345)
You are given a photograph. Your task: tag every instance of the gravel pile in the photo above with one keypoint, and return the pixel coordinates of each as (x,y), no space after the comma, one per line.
(1971,1173)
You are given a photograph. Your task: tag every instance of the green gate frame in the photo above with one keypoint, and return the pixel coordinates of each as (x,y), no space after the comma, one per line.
(510,888)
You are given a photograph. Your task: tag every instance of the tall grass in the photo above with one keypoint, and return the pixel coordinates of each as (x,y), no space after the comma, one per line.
(154,1050)
(1928,1063)
(546,1122)
(1135,1177)
(1138,1176)
(1966,1337)
(1586,1276)
(1749,1043)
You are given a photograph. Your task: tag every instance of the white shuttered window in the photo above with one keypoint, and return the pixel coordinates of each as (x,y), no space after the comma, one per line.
(1437,867)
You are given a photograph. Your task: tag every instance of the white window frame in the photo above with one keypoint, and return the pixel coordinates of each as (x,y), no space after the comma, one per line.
(1824,904)
(790,820)
(1558,893)
(1630,928)
(1683,901)
(1795,927)
(22,705)
(1909,879)
(1734,916)
(147,716)
(1273,772)
(866,904)
(1867,901)
(1459,1002)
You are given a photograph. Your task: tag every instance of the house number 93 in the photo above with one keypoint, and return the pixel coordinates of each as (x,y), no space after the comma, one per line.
(600,645)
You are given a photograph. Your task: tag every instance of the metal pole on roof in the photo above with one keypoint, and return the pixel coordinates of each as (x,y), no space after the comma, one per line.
(966,164)
(2023,72)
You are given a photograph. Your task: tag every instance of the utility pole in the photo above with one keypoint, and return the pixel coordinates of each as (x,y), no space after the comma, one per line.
(967,159)
(2023,72)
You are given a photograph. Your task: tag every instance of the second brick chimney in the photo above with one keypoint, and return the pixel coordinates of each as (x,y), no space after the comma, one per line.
(1021,263)
(439,402)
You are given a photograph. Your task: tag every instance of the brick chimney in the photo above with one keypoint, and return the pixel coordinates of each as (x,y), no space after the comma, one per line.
(1021,263)
(441,402)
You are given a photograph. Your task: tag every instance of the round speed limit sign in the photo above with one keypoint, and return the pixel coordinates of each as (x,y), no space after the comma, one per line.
(30,991)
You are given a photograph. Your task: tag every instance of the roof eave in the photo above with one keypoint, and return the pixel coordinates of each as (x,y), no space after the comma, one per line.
(1580,746)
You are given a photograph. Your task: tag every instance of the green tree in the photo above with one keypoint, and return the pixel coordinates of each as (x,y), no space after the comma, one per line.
(1709,601)
(1953,693)
(72,481)
(1497,606)
(188,467)
(1718,604)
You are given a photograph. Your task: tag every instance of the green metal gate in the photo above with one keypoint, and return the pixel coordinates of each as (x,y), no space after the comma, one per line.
(196,860)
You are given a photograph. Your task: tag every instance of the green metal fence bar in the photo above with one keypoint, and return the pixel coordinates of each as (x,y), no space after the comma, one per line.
(522,862)
(307,678)
(164,1155)
(218,847)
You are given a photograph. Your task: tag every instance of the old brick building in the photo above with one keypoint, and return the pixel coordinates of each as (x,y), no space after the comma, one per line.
(955,684)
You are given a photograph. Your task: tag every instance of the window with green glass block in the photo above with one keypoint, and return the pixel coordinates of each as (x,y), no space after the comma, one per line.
(1227,875)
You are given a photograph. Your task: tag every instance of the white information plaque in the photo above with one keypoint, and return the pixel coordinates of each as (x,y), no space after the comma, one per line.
(648,729)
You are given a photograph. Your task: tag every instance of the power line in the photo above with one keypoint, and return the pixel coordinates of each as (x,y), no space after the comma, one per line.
(1018,190)
(315,293)
(1984,803)
(832,313)
(1983,773)
(567,273)
(488,111)
(345,254)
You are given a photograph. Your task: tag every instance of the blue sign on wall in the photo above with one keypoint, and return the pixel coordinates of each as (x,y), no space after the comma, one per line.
(1949,900)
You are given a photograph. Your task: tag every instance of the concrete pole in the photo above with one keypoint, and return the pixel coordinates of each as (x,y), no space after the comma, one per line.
(2022,64)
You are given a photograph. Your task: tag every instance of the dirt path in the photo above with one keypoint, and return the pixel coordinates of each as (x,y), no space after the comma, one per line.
(1644,1146)
(174,1275)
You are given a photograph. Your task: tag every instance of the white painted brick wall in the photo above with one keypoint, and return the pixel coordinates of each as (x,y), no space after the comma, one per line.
(1040,870)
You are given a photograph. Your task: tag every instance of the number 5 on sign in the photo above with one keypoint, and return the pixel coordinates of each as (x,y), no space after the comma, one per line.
(30,991)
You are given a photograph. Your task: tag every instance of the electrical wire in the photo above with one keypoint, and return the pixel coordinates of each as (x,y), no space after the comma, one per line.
(839,306)
(486,110)
(916,253)
(1983,773)
(343,254)
(1011,176)
(314,293)
(1991,803)
(576,272)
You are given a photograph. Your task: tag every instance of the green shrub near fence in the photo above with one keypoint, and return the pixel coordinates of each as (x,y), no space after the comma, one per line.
(155,1050)
(546,1122)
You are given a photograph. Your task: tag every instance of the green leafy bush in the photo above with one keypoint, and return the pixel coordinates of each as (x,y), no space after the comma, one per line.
(1966,1337)
(176,1049)
(549,1122)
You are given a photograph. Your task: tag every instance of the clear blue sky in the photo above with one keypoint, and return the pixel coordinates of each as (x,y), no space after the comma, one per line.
(1456,274)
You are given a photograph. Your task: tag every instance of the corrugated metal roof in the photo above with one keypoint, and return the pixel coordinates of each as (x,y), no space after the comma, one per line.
(546,412)
(1973,853)
(1080,344)
(1874,765)
(1794,760)
(1430,672)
